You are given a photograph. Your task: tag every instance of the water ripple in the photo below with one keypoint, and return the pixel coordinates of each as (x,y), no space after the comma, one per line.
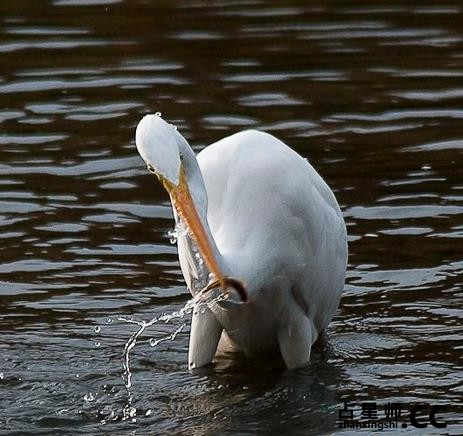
(368,93)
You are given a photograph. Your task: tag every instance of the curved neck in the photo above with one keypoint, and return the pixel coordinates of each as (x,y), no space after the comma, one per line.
(193,174)
(198,193)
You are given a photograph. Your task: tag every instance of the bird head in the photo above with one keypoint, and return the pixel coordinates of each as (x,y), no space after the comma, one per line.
(161,146)
(157,144)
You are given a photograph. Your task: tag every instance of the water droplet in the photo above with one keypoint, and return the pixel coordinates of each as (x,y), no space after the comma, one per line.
(77,375)
(97,344)
(173,236)
(2,376)
(97,329)
(109,320)
(89,397)
(426,167)
(148,412)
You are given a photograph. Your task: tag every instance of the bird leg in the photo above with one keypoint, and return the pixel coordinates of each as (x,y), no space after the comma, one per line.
(204,338)
(295,338)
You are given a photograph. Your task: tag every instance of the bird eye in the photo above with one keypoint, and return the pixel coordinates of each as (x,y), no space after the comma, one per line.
(150,168)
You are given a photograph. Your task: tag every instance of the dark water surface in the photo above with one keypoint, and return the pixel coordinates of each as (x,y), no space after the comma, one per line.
(370,92)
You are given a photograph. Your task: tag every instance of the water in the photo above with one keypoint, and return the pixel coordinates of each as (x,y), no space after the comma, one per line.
(369,92)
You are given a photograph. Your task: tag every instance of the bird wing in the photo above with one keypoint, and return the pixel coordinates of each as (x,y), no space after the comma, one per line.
(272,215)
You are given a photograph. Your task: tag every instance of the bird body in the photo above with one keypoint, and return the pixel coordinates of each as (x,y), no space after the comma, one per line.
(273,223)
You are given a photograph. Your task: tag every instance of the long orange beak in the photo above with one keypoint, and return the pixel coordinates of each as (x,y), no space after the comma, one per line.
(183,202)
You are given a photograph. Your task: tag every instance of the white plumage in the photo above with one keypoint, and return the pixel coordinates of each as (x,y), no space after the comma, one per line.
(266,218)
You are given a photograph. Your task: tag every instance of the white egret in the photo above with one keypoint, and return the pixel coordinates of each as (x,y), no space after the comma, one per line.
(261,221)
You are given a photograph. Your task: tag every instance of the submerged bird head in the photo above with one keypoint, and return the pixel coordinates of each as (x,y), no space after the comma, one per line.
(167,155)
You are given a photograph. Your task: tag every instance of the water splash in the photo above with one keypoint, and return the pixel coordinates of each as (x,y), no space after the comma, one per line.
(171,337)
(143,325)
(200,302)
(202,274)
(173,236)
(180,231)
(89,397)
